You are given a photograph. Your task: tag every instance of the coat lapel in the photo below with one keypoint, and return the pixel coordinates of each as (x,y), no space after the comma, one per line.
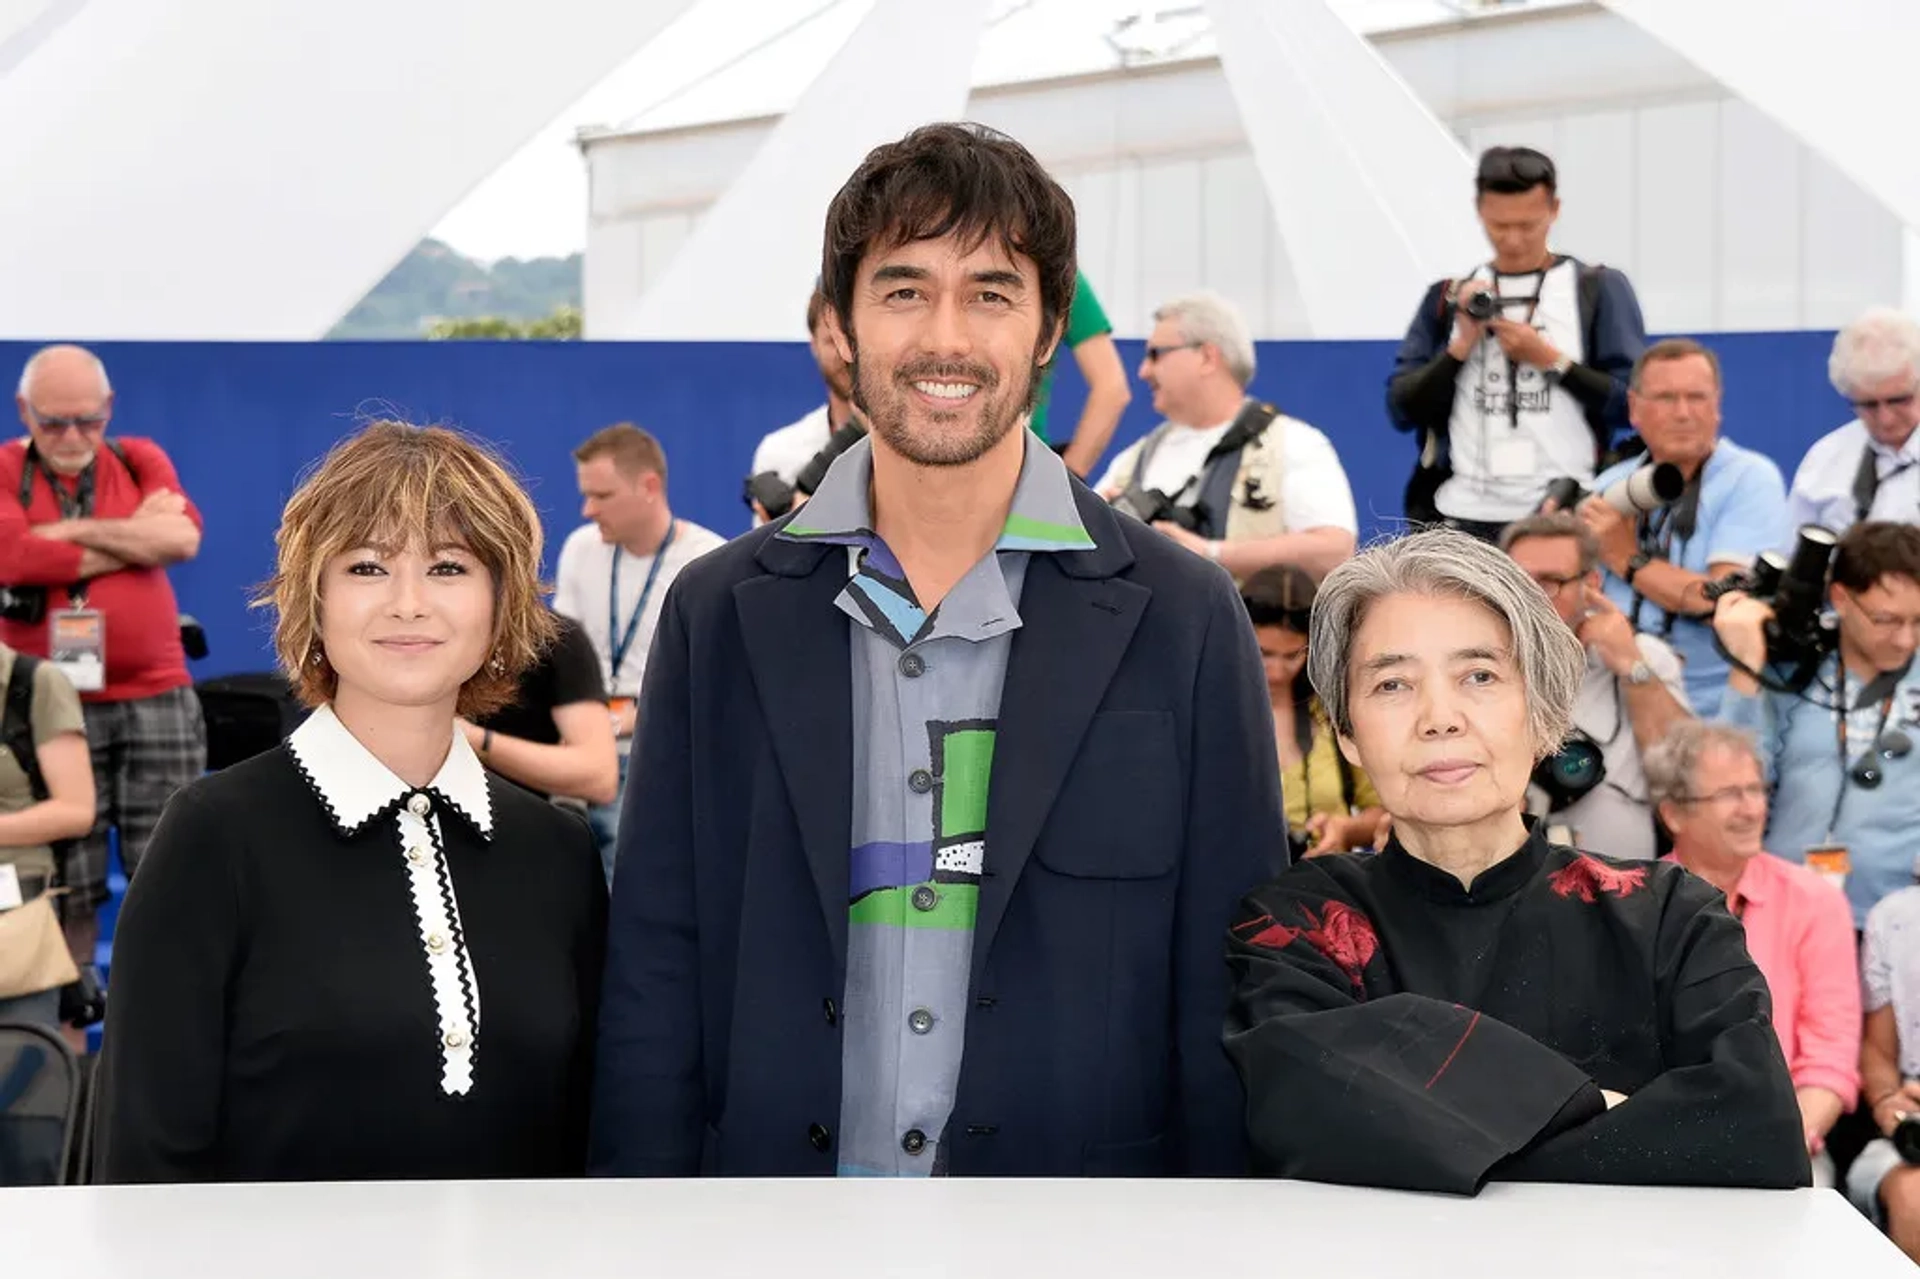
(799,652)
(1075,625)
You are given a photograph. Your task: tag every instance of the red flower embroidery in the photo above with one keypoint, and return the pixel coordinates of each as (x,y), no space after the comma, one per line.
(1586,878)
(1344,936)
(1273,936)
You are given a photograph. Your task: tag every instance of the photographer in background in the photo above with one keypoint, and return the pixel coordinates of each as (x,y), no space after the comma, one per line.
(1846,777)
(1659,561)
(1226,476)
(1629,697)
(1868,469)
(1517,374)
(785,456)
(1884,1181)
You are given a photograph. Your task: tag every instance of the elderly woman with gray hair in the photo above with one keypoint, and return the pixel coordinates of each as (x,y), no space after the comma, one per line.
(1473,1002)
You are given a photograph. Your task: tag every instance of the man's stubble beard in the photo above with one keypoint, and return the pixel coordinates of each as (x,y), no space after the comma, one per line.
(888,412)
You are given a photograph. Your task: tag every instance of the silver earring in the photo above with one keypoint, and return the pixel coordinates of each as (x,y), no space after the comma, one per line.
(497,665)
(318,657)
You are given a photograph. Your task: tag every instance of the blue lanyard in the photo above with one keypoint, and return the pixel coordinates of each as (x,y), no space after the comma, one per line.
(625,640)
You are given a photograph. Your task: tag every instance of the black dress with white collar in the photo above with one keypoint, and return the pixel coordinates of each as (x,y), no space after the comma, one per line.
(322,973)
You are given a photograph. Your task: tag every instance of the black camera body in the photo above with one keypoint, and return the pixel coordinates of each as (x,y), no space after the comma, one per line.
(776,496)
(1801,632)
(1906,1138)
(1151,506)
(1571,773)
(1482,306)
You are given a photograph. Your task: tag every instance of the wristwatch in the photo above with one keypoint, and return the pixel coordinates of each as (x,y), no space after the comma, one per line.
(1639,561)
(1558,369)
(1639,673)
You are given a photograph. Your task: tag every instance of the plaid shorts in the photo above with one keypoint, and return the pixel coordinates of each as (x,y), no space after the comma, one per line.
(143,751)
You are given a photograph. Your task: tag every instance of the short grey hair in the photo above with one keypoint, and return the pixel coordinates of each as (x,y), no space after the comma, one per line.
(1208,317)
(40,357)
(1881,344)
(1443,562)
(1671,761)
(1555,524)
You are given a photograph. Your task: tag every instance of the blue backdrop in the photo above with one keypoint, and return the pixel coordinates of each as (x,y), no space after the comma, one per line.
(242,420)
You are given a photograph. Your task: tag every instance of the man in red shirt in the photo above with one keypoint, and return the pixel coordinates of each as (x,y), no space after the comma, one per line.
(94,524)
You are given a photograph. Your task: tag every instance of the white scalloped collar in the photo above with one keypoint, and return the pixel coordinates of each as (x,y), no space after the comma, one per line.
(355,787)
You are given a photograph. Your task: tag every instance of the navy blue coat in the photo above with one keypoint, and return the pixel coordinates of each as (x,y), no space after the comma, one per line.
(1134,797)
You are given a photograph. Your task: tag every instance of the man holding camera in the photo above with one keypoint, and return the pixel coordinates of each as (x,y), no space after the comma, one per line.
(1630,696)
(88,528)
(1516,374)
(1226,476)
(1847,799)
(782,461)
(1730,509)
(1884,1181)
(1868,469)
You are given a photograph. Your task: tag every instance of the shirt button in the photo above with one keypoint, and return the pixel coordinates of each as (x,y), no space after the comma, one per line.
(920,781)
(436,942)
(920,1021)
(820,1137)
(914,1141)
(416,855)
(456,1040)
(925,897)
(912,665)
(420,805)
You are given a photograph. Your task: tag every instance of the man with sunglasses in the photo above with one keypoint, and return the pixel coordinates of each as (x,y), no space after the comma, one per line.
(1630,696)
(1226,476)
(1868,469)
(88,528)
(1847,780)
(1537,390)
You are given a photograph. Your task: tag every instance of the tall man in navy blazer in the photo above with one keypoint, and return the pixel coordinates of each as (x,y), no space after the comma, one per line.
(946,785)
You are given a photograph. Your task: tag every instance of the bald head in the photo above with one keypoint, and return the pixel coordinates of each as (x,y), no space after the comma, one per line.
(63,370)
(65,402)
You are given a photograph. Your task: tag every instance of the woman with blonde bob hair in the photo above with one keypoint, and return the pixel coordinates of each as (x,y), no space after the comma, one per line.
(360,955)
(1474,1002)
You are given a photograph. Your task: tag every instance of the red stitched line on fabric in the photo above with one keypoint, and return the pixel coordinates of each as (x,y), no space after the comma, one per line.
(1456,1051)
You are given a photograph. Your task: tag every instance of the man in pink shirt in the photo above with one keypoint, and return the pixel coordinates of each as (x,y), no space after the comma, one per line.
(1712,796)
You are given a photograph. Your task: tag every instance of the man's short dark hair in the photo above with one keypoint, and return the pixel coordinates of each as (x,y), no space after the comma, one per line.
(1555,524)
(815,305)
(1667,350)
(1875,549)
(952,179)
(1515,170)
(1279,595)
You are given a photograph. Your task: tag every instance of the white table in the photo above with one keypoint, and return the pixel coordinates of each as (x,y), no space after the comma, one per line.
(994,1229)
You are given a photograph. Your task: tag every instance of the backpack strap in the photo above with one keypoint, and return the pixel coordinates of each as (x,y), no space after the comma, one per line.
(16,726)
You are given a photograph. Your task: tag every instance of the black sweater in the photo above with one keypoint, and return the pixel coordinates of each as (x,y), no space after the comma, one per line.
(294,997)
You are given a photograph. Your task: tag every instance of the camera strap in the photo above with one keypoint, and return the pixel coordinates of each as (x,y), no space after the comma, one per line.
(1533,306)
(1867,480)
(1659,530)
(1841,712)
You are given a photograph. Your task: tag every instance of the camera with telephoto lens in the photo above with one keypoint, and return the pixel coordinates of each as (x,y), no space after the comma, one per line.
(1636,493)
(776,496)
(26,605)
(1150,506)
(1801,632)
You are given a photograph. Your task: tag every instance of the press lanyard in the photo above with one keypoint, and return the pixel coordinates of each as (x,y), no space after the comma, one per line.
(1840,732)
(1533,307)
(77,505)
(625,638)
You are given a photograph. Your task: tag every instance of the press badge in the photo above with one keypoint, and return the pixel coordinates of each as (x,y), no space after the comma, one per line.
(77,644)
(10,888)
(1830,862)
(1510,455)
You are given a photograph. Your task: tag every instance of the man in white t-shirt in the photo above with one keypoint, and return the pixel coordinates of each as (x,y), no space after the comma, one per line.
(787,451)
(614,574)
(1870,467)
(1225,475)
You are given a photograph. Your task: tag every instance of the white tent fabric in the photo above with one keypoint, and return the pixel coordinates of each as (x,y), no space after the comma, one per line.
(250,168)
(1836,73)
(1372,194)
(900,68)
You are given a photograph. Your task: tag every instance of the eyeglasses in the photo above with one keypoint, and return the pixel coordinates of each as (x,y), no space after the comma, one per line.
(1553,583)
(1729,795)
(81,422)
(1155,352)
(1864,407)
(1893,744)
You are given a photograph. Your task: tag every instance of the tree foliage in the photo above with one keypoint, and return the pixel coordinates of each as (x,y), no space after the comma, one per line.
(438,292)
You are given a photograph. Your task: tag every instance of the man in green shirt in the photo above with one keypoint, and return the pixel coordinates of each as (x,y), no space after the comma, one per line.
(1089,336)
